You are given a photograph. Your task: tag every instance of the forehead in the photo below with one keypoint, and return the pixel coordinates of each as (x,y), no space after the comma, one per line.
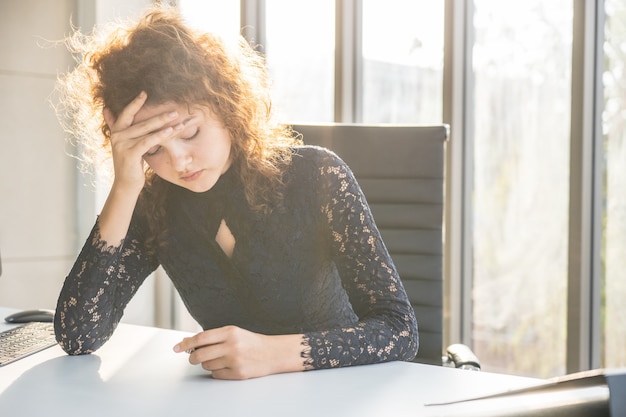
(149,110)
(186,114)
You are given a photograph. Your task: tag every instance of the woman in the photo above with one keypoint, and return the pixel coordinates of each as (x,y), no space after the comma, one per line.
(270,244)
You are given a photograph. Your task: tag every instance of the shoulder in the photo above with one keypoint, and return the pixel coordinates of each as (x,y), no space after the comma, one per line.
(315,157)
(318,167)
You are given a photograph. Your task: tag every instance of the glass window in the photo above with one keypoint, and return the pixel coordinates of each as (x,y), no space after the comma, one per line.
(402,61)
(216,16)
(300,51)
(522,66)
(614,218)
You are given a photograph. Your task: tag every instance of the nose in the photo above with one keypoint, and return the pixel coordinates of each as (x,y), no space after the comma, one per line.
(180,158)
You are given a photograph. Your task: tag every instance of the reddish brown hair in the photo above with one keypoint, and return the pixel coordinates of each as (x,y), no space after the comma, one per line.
(162,56)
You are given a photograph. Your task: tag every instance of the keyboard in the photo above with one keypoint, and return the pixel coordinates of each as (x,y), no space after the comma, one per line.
(19,342)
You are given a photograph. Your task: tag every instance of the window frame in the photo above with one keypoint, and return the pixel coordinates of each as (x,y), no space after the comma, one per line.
(586,182)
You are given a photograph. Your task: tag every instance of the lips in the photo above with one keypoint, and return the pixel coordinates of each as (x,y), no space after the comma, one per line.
(192,176)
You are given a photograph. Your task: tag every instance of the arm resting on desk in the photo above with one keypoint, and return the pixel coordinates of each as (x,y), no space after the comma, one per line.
(96,291)
(387,328)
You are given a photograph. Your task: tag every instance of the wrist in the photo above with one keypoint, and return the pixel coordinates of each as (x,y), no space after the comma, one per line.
(287,353)
(117,212)
(126,188)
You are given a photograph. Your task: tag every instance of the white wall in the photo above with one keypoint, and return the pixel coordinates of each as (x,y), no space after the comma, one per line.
(37,191)
(46,207)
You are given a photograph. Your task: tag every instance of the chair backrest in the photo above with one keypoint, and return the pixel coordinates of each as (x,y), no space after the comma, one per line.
(401,171)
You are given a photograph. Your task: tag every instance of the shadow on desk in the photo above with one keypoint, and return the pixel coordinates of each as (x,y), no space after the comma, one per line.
(86,385)
(74,386)
(37,390)
(123,381)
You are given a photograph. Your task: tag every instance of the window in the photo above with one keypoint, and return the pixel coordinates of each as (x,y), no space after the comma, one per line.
(614,216)
(522,60)
(400,59)
(217,16)
(299,46)
(402,56)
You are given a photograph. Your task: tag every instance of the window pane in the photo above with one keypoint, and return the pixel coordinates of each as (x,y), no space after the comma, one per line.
(614,125)
(300,50)
(402,61)
(522,66)
(217,16)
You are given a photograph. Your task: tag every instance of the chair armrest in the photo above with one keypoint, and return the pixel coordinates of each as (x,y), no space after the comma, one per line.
(461,356)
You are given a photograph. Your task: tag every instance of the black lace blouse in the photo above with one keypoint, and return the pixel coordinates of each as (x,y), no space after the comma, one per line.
(316,265)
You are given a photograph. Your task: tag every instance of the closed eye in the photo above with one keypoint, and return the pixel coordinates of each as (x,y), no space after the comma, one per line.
(156,149)
(192,136)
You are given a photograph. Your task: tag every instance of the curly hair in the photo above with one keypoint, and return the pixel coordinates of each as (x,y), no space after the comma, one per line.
(168,60)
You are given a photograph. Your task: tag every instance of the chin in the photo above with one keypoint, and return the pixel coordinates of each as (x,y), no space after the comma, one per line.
(198,186)
(195,188)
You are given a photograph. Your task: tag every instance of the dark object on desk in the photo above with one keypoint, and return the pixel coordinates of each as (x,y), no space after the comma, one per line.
(597,393)
(401,171)
(28,316)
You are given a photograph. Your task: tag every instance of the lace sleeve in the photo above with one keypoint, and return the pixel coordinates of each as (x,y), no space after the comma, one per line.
(96,291)
(387,328)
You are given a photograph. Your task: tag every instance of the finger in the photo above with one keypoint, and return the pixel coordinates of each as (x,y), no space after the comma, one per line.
(207,337)
(214,364)
(148,144)
(150,130)
(109,119)
(215,353)
(144,144)
(189,344)
(127,116)
(223,368)
(197,341)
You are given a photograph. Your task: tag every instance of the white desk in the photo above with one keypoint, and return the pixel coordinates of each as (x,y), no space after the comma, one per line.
(137,373)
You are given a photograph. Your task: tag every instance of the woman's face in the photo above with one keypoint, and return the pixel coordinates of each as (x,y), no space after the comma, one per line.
(198,155)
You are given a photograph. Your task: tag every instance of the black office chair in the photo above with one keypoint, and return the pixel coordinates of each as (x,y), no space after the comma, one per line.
(401,171)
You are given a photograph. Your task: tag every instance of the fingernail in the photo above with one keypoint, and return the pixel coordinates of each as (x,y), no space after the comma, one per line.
(172,114)
(177,348)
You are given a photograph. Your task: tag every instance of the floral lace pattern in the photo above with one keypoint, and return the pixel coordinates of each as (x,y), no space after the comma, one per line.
(315,266)
(387,329)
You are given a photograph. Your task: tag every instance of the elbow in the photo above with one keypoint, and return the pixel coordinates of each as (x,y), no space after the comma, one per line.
(73,349)
(71,340)
(412,336)
(74,346)
(403,334)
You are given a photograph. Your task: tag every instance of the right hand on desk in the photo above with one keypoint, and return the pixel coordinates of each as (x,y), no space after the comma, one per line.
(131,140)
(231,352)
